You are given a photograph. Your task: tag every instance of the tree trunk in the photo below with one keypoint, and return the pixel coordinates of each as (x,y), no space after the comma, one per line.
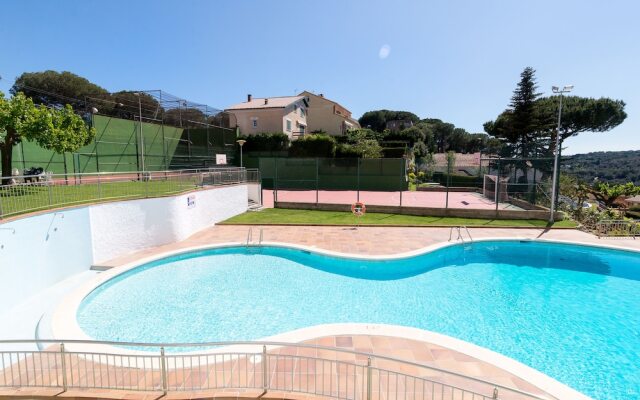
(6,153)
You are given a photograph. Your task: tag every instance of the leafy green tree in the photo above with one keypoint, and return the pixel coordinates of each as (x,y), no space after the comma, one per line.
(528,127)
(60,130)
(377,120)
(56,88)
(609,194)
(521,123)
(579,114)
(127,104)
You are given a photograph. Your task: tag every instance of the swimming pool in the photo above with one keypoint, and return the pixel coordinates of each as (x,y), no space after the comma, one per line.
(572,312)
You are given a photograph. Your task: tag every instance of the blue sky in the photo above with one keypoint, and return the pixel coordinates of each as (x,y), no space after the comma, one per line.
(454,60)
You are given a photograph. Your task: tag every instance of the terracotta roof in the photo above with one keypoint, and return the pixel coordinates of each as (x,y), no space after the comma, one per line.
(272,102)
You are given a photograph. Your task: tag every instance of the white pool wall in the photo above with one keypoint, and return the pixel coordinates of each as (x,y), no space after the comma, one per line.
(45,249)
(124,227)
(51,247)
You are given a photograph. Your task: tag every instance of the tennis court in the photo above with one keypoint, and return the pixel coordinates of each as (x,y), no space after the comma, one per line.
(462,200)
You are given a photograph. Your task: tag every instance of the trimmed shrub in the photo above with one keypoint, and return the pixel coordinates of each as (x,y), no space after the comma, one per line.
(275,141)
(313,146)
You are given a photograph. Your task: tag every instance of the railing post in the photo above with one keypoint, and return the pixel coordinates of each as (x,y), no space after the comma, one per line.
(64,368)
(265,369)
(163,371)
(49,184)
(368,378)
(495,393)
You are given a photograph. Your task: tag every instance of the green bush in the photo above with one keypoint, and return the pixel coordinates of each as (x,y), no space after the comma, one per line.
(275,141)
(313,146)
(457,180)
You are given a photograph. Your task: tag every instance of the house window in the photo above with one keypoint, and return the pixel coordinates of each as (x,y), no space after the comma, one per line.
(254,123)
(302,129)
(302,111)
(288,125)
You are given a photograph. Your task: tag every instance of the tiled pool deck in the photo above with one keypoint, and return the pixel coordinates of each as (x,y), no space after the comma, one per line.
(364,241)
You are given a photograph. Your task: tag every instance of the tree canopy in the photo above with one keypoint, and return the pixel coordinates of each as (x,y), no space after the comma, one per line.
(377,119)
(56,88)
(60,130)
(529,125)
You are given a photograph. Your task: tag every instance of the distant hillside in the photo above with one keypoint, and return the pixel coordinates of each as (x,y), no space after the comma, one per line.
(607,166)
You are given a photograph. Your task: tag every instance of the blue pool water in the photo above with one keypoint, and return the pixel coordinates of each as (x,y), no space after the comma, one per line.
(572,312)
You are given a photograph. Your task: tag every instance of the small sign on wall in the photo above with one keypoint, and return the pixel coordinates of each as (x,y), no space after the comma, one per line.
(221,159)
(191,201)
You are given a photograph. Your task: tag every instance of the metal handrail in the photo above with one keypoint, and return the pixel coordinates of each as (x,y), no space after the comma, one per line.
(617,228)
(460,235)
(13,355)
(57,190)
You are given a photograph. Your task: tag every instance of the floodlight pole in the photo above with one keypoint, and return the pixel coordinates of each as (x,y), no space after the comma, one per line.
(556,160)
(140,129)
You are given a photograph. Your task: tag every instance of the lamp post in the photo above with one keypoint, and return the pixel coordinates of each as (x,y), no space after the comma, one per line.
(241,142)
(556,160)
(141,137)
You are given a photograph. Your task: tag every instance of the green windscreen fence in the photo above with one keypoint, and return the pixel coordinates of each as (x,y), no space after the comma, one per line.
(120,147)
(379,174)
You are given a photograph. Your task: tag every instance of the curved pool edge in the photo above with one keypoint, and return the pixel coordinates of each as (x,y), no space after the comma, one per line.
(65,326)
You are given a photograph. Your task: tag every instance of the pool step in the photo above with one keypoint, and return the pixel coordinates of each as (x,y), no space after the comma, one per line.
(100,268)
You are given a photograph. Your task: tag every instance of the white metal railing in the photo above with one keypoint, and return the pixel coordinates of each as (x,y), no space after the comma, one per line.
(26,194)
(304,368)
(617,228)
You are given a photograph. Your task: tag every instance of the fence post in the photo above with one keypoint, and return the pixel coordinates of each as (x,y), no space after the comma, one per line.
(498,185)
(49,184)
(163,371)
(403,176)
(265,369)
(64,368)
(317,177)
(1,214)
(275,182)
(358,179)
(368,378)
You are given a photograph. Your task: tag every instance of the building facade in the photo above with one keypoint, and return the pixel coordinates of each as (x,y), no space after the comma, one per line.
(272,114)
(328,116)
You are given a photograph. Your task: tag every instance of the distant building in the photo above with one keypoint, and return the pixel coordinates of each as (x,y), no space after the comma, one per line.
(396,125)
(272,114)
(633,201)
(328,116)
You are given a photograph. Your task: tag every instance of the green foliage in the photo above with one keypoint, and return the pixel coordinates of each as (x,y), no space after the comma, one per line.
(528,127)
(609,166)
(276,141)
(366,148)
(59,130)
(49,87)
(377,120)
(581,114)
(313,146)
(520,124)
(610,193)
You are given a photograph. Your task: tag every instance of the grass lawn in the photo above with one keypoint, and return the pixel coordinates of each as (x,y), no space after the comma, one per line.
(21,199)
(275,216)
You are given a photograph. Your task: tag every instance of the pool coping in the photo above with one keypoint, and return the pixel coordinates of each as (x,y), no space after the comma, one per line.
(65,325)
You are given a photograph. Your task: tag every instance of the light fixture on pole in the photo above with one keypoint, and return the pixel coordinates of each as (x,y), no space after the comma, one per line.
(241,142)
(137,94)
(556,159)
